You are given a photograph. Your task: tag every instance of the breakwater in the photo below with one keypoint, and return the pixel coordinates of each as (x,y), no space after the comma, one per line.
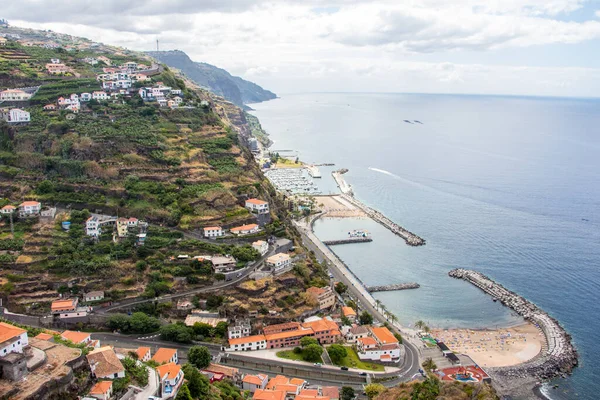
(347,194)
(347,241)
(389,288)
(559,356)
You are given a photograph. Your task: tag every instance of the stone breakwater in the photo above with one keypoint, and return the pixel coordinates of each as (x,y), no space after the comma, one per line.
(389,288)
(557,358)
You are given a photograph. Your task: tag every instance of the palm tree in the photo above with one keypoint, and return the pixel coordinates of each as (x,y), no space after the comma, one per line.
(377,304)
(383,309)
(419,324)
(393,318)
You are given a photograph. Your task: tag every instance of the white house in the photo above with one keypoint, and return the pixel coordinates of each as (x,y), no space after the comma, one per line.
(92,227)
(8,209)
(29,208)
(261,246)
(164,356)
(357,332)
(93,296)
(223,264)
(239,329)
(257,206)
(102,390)
(244,229)
(279,262)
(85,96)
(105,364)
(256,342)
(143,353)
(14,95)
(381,345)
(170,377)
(12,339)
(55,60)
(213,231)
(16,115)
(253,382)
(100,95)
(176,92)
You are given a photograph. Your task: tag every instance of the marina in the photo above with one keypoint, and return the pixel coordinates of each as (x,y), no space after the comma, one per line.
(292,181)
(313,171)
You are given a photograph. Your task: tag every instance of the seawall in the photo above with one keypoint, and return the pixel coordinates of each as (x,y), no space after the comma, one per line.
(558,358)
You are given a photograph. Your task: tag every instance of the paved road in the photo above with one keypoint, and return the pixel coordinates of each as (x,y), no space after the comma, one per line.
(152,387)
(140,300)
(411,363)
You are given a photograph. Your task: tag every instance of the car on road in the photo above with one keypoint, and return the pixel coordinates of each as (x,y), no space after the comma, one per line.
(344,368)
(238,275)
(362,373)
(318,364)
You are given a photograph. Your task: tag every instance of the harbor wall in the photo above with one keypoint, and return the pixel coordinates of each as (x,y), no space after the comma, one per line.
(559,356)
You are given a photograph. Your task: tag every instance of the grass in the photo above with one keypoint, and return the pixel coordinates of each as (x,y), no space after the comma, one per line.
(352,361)
(290,355)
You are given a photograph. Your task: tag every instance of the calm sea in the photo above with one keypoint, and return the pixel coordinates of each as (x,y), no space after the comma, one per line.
(509,186)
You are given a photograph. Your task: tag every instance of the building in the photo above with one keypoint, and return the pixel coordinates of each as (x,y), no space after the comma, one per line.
(203,317)
(223,264)
(213,231)
(77,337)
(122,227)
(143,353)
(170,377)
(257,206)
(289,334)
(239,329)
(99,95)
(326,331)
(16,116)
(349,313)
(324,297)
(92,226)
(49,107)
(63,305)
(261,246)
(248,343)
(15,95)
(93,296)
(102,390)
(45,336)
(105,364)
(253,382)
(12,339)
(261,394)
(380,345)
(283,245)
(244,229)
(330,392)
(29,208)
(55,69)
(164,355)
(279,262)
(8,209)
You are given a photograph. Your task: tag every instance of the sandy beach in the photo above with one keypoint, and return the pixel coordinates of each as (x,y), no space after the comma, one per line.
(337,207)
(494,348)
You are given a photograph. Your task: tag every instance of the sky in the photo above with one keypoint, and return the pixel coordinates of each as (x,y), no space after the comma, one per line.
(513,47)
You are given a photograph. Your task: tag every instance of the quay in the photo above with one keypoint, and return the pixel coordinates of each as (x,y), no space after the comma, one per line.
(390,288)
(410,238)
(557,359)
(347,241)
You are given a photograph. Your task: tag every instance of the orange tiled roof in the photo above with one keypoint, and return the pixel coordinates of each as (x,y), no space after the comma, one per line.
(62,304)
(256,201)
(244,228)
(75,337)
(30,203)
(321,325)
(212,228)
(297,381)
(367,341)
(142,351)
(261,394)
(171,370)
(279,327)
(106,361)
(347,311)
(278,380)
(248,339)
(315,291)
(289,334)
(385,357)
(311,397)
(309,392)
(8,331)
(331,392)
(254,379)
(101,387)
(44,336)
(9,207)
(163,355)
(383,335)
(287,388)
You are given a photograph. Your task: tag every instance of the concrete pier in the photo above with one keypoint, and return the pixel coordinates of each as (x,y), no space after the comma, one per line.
(390,288)
(347,241)
(347,194)
(558,358)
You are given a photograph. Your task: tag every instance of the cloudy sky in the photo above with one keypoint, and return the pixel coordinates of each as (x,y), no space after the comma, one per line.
(533,47)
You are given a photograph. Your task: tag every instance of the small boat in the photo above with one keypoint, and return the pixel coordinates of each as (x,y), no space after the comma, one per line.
(407,121)
(418,122)
(495,299)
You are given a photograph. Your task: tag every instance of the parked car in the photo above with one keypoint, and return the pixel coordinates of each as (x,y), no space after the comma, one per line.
(318,364)
(344,368)
(362,373)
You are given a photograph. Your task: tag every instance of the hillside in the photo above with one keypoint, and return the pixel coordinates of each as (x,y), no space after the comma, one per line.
(217,80)
(162,151)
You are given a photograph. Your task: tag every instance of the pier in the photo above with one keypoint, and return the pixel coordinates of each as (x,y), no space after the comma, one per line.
(390,288)
(558,358)
(347,241)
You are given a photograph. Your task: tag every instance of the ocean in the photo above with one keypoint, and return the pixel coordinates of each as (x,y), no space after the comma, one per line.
(509,186)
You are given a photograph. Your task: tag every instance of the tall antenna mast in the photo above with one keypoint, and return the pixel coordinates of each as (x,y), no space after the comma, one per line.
(156,44)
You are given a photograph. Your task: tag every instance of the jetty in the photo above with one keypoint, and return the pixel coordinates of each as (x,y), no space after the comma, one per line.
(559,357)
(347,241)
(390,288)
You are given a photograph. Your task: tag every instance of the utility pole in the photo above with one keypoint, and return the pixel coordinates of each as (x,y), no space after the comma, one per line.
(156,44)
(12,227)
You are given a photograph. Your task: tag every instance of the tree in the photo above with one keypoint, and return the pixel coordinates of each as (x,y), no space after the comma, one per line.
(365,318)
(337,352)
(347,393)
(142,323)
(340,287)
(202,329)
(307,341)
(199,356)
(429,364)
(198,384)
(419,324)
(118,322)
(184,393)
(429,389)
(374,389)
(312,352)
(346,321)
(377,304)
(352,305)
(221,329)
(176,333)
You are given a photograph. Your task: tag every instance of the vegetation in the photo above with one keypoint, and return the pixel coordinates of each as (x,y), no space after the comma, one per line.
(199,356)
(138,322)
(198,384)
(337,352)
(432,388)
(351,360)
(374,389)
(365,318)
(347,393)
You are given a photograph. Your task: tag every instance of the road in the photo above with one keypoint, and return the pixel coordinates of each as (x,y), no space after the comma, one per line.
(411,362)
(128,303)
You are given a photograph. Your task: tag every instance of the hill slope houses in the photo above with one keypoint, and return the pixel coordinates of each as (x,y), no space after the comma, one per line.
(123,156)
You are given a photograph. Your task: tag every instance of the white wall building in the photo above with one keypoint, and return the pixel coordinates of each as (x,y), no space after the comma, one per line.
(256,342)
(279,261)
(257,206)
(13,339)
(16,115)
(29,208)
(261,246)
(213,231)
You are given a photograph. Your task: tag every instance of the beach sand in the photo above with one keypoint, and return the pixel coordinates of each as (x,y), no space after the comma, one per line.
(337,207)
(494,348)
